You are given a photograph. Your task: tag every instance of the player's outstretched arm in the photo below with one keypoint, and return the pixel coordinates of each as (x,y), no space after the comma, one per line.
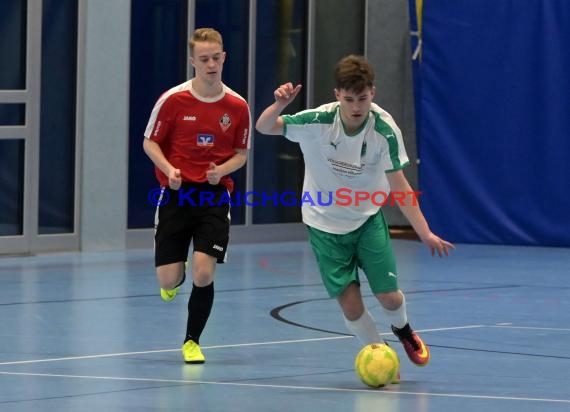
(270,121)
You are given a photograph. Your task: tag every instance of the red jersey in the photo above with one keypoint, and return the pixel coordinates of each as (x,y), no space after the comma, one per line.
(193,131)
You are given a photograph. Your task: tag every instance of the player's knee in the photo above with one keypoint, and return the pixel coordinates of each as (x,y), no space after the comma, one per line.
(390,300)
(203,277)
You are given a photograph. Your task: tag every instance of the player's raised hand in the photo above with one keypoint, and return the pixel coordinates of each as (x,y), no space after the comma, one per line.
(286,93)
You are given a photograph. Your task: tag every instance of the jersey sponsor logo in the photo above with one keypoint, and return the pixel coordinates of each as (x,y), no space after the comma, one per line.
(225,122)
(244,137)
(157,128)
(189,118)
(205,140)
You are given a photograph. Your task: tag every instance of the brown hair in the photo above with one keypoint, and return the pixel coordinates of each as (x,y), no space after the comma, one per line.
(354,73)
(205,34)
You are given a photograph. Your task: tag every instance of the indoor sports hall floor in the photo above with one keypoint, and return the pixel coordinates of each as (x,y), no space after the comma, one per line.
(89,332)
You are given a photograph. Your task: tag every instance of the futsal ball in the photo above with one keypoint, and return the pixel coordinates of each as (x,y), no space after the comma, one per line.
(376,364)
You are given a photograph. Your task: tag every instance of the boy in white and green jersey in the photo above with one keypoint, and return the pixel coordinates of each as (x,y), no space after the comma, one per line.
(336,158)
(354,155)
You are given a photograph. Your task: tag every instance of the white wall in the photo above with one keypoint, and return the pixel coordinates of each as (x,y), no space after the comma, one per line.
(105,120)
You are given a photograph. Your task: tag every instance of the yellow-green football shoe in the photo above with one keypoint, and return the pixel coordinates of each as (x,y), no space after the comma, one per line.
(192,353)
(169,295)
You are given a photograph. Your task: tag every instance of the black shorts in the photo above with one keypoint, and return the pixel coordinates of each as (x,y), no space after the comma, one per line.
(197,213)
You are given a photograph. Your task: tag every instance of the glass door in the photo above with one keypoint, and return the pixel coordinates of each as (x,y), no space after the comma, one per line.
(37,125)
(19,104)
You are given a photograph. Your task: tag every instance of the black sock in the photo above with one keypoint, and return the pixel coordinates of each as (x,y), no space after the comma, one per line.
(199,308)
(405,331)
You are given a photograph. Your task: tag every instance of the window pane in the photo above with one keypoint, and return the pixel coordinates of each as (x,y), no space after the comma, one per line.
(231,19)
(12,114)
(159,42)
(280,42)
(12,184)
(57,117)
(13,44)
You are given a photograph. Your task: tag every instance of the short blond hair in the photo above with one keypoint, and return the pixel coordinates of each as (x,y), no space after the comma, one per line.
(206,34)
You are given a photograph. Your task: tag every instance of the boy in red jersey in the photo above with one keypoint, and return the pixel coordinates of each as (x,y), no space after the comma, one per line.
(198,133)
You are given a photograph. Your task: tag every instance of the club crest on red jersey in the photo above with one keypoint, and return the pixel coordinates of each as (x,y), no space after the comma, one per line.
(225,122)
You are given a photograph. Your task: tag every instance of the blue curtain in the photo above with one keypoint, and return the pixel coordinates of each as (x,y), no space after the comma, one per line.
(56,207)
(159,40)
(494,130)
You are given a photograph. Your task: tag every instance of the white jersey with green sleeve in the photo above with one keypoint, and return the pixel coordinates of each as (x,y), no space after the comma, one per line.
(340,168)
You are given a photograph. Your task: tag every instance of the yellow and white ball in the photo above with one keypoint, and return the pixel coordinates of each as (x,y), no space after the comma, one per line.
(376,364)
